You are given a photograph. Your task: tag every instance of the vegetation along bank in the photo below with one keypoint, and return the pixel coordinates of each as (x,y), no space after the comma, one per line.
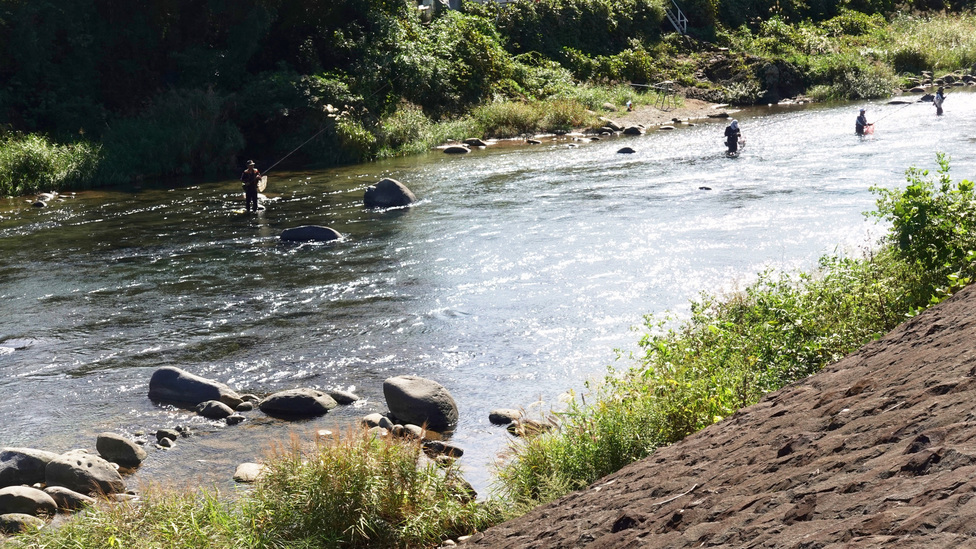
(96,96)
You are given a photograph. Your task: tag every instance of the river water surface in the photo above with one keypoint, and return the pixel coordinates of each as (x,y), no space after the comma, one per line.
(513,279)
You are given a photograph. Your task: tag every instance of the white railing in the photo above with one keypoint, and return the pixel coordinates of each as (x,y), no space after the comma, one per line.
(677,17)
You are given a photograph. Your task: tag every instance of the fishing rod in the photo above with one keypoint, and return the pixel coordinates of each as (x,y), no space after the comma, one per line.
(331,111)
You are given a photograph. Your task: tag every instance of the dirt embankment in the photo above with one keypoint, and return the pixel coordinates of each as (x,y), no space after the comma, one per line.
(878,450)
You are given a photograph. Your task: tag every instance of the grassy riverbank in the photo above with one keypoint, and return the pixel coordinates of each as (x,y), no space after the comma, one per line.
(736,348)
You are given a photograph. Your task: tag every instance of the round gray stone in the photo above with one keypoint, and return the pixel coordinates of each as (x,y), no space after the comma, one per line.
(13,523)
(176,385)
(413,399)
(68,500)
(214,409)
(26,500)
(298,402)
(84,473)
(249,472)
(118,449)
(23,465)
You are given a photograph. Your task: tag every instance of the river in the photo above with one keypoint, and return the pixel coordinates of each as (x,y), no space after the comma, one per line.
(512,280)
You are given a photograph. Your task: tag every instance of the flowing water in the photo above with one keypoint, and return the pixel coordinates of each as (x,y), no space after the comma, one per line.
(513,279)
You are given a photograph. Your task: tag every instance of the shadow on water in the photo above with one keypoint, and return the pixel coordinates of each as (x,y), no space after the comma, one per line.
(512,280)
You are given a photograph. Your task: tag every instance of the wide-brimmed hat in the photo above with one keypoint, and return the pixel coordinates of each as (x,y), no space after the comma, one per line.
(250,162)
(862,110)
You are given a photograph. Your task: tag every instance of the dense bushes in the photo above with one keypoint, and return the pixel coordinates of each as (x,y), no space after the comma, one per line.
(734,349)
(194,88)
(32,163)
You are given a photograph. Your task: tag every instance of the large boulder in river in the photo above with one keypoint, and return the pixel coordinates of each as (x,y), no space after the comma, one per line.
(413,399)
(388,193)
(84,473)
(298,402)
(23,466)
(118,449)
(176,385)
(26,500)
(310,233)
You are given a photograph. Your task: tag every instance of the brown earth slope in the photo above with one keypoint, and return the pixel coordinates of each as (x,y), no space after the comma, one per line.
(878,450)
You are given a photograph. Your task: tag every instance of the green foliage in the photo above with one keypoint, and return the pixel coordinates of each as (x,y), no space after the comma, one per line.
(940,42)
(933,226)
(32,163)
(850,76)
(594,27)
(182,132)
(354,492)
(455,62)
(512,118)
(736,348)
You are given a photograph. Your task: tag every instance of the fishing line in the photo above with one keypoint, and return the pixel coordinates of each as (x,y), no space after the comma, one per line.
(296,148)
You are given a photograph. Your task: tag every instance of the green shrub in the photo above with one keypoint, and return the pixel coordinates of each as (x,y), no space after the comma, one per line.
(933,228)
(183,132)
(31,163)
(362,492)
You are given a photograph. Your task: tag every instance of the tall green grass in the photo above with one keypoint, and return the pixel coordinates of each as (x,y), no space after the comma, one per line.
(356,491)
(32,163)
(938,42)
(733,349)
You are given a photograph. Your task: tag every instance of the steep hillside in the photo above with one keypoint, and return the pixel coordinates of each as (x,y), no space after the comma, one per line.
(878,450)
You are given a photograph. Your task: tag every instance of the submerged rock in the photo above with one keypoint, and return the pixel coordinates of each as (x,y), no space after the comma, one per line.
(388,193)
(504,416)
(310,233)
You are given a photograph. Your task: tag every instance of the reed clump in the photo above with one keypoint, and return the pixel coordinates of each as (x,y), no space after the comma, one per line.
(31,163)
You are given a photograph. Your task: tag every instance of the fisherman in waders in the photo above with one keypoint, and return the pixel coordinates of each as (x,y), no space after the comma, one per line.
(861,124)
(250,179)
(938,99)
(732,135)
